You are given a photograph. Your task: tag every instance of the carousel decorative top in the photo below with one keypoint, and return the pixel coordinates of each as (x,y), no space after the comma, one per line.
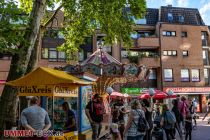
(100,57)
(109,70)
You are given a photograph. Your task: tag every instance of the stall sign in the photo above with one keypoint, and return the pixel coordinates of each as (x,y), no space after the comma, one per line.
(187,89)
(35,89)
(48,89)
(65,90)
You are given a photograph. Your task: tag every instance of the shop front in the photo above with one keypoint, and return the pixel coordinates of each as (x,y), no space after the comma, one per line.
(56,87)
(197,94)
(134,92)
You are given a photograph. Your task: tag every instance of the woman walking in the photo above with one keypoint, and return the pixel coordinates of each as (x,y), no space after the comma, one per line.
(178,116)
(168,121)
(148,115)
(131,128)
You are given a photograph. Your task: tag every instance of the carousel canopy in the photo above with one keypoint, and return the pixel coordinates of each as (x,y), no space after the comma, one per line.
(100,57)
(47,76)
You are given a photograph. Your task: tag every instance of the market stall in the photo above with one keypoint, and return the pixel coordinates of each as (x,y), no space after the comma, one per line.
(57,87)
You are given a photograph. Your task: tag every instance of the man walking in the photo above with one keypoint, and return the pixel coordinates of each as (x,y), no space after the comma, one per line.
(35,118)
(94,111)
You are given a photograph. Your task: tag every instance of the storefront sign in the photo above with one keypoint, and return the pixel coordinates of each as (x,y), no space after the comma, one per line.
(133,90)
(187,89)
(48,89)
(85,96)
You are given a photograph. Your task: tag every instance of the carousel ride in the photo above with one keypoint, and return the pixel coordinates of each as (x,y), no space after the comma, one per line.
(108,70)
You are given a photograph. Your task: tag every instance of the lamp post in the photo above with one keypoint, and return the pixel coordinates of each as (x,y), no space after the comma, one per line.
(151,93)
(109,90)
(170,93)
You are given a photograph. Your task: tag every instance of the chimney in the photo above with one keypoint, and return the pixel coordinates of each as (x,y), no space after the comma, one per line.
(170,5)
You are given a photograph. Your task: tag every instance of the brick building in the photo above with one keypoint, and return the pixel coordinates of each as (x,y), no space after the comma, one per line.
(172,41)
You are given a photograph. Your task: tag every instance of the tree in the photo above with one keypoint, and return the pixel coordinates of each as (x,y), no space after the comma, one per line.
(82,18)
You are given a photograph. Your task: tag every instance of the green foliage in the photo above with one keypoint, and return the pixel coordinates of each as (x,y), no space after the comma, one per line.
(111,17)
(82,19)
(12,27)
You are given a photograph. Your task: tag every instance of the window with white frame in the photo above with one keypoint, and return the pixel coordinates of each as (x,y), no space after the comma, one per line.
(168,75)
(184,53)
(169,33)
(195,75)
(170,53)
(185,76)
(206,75)
(153,74)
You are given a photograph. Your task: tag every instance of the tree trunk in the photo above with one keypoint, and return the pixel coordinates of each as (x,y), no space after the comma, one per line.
(19,63)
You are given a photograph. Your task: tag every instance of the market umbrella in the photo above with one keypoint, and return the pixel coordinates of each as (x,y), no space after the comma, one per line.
(158,95)
(144,96)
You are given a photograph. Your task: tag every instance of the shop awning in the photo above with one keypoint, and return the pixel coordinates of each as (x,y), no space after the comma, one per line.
(47,76)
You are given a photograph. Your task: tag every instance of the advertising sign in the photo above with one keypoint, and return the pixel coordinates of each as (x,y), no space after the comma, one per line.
(133,90)
(85,96)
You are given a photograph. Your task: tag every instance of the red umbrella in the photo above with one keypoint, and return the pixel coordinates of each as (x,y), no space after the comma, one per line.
(158,95)
(144,96)
(172,96)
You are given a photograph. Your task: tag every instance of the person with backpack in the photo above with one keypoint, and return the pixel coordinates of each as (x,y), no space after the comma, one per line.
(148,115)
(94,111)
(157,131)
(168,121)
(179,118)
(120,108)
(184,109)
(137,124)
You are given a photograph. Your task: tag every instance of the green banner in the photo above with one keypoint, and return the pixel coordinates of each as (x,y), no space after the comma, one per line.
(133,90)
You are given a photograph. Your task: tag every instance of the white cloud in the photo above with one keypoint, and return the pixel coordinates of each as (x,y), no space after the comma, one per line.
(202,2)
(204,10)
(169,1)
(183,3)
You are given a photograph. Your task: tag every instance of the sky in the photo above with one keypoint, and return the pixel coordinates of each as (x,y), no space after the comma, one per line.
(202,5)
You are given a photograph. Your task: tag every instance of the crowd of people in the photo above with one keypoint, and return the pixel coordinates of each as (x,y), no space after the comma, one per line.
(145,120)
(136,120)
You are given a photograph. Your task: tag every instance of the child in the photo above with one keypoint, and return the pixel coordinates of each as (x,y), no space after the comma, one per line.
(188,126)
(115,132)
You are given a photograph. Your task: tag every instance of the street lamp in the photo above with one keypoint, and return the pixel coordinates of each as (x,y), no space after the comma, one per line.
(170,93)
(151,93)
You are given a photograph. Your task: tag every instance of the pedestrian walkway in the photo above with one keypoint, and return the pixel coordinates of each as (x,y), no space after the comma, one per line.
(203,129)
(201,133)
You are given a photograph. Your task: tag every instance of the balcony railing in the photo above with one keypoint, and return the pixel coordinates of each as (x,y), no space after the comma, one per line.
(148,42)
(205,42)
(148,59)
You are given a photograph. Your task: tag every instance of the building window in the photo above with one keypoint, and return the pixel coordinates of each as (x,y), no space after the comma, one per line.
(53,54)
(185,77)
(204,54)
(61,55)
(44,53)
(170,53)
(169,33)
(170,17)
(184,53)
(181,18)
(195,75)
(206,75)
(168,75)
(184,34)
(153,74)
(124,54)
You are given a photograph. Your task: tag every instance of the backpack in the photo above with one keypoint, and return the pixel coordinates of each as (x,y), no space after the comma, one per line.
(170,117)
(142,125)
